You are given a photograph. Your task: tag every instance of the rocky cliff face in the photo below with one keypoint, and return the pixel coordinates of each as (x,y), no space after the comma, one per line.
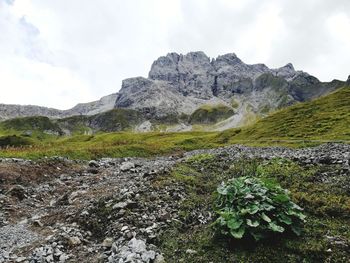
(9,111)
(180,84)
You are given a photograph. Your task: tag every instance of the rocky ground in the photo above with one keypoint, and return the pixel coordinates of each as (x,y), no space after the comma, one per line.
(108,210)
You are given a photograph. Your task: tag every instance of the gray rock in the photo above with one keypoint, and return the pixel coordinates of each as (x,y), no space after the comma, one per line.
(74,241)
(107,242)
(148,256)
(137,246)
(159,259)
(126,166)
(120,205)
(93,163)
(21,259)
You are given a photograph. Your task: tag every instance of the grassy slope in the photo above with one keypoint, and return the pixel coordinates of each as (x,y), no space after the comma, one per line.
(210,114)
(36,124)
(327,118)
(115,145)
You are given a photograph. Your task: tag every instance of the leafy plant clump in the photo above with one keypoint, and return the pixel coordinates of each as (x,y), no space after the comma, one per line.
(251,206)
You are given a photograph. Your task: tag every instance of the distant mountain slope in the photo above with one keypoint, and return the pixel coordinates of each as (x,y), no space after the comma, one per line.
(326,118)
(9,111)
(113,120)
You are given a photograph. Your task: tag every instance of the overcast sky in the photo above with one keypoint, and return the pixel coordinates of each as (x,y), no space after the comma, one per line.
(60,52)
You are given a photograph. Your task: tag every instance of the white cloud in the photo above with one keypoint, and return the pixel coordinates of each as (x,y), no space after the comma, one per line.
(40,83)
(59,53)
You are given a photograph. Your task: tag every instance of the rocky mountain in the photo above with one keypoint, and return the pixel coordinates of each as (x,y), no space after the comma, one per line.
(9,111)
(190,92)
(183,84)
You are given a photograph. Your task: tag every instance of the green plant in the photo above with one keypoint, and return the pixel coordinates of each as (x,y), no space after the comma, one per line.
(256,207)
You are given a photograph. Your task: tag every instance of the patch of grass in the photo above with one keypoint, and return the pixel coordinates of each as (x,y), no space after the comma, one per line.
(200,158)
(209,114)
(114,145)
(14,141)
(315,243)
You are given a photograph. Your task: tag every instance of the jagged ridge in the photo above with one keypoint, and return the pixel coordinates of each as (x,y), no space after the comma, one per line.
(180,84)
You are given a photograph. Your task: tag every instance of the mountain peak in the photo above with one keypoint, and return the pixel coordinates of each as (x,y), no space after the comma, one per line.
(289,66)
(229,58)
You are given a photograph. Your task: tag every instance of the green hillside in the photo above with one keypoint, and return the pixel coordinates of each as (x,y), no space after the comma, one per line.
(210,114)
(32,124)
(326,118)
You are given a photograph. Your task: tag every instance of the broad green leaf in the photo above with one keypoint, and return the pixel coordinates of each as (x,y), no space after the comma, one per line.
(298,214)
(222,189)
(301,216)
(237,233)
(295,206)
(253,209)
(251,223)
(234,223)
(249,196)
(244,211)
(276,228)
(266,207)
(285,219)
(265,217)
(221,221)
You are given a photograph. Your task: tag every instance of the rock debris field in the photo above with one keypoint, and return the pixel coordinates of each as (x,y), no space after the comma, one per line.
(108,210)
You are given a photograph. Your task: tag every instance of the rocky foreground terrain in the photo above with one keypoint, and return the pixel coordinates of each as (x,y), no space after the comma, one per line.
(112,210)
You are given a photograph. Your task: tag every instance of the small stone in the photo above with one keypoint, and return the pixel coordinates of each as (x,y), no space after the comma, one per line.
(130,257)
(63,258)
(74,241)
(137,246)
(148,255)
(49,258)
(129,235)
(20,259)
(124,228)
(108,242)
(38,223)
(191,251)
(126,166)
(159,259)
(120,205)
(93,163)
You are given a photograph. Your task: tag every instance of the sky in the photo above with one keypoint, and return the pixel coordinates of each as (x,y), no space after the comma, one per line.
(58,53)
